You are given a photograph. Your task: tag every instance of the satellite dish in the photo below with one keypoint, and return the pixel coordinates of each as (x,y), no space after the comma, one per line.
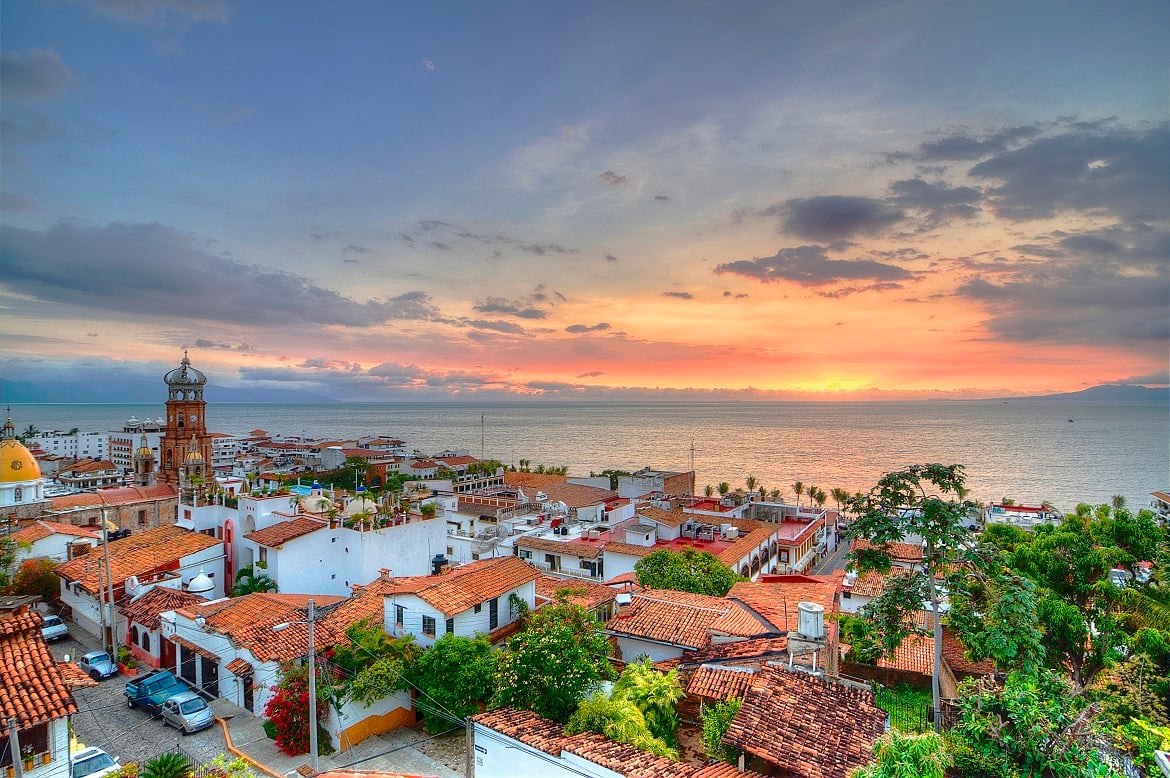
(132,585)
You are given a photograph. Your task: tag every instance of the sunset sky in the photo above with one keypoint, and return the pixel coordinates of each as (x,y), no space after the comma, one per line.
(385,200)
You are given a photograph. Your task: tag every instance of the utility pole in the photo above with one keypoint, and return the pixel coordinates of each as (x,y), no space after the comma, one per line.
(14,747)
(108,619)
(312,691)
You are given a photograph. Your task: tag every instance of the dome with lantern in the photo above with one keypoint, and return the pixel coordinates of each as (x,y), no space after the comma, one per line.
(185,381)
(20,475)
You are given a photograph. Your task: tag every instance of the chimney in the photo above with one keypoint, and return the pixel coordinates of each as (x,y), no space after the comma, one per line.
(384,574)
(623,600)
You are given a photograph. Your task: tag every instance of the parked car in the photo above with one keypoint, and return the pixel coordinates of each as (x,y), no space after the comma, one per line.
(98,665)
(54,629)
(187,712)
(93,763)
(151,691)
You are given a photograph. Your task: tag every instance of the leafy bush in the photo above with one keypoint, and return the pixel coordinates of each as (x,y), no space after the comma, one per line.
(716,721)
(170,765)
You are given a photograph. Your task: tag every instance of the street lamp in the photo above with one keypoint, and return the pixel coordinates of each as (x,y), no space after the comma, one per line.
(312,682)
(109,620)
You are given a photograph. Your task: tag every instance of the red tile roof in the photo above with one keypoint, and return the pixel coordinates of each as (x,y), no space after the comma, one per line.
(955,655)
(873,582)
(737,652)
(810,727)
(138,554)
(39,530)
(548,736)
(778,598)
(720,683)
(666,616)
(239,667)
(899,552)
(249,622)
(573,495)
(513,478)
(119,495)
(279,534)
(32,689)
(74,677)
(664,517)
(466,586)
(915,654)
(587,594)
(145,610)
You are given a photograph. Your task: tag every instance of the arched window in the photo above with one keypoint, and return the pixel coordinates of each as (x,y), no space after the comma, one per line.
(18,495)
(134,634)
(145,640)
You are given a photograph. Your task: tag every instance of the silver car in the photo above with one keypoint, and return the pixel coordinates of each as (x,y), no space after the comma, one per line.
(54,629)
(188,712)
(93,763)
(98,665)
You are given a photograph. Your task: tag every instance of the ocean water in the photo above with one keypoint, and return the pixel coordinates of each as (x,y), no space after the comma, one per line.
(1029,451)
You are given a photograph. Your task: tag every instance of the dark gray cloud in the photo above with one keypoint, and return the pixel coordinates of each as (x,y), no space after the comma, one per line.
(35,74)
(809,266)
(1117,171)
(440,245)
(516,308)
(612,178)
(15,130)
(661,199)
(679,295)
(592,374)
(205,343)
(506,327)
(960,144)
(155,12)
(734,295)
(610,258)
(542,249)
(577,329)
(162,272)
(935,201)
(836,217)
(16,203)
(358,249)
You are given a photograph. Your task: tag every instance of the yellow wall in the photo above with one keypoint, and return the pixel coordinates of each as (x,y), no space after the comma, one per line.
(376,725)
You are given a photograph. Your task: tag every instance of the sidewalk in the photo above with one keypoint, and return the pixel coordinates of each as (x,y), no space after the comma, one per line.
(390,752)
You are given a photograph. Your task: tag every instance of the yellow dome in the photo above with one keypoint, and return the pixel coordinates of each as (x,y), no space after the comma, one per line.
(16,463)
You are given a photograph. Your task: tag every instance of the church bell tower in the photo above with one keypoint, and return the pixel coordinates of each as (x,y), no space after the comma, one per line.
(186,429)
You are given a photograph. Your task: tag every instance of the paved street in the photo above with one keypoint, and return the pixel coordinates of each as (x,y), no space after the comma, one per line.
(132,735)
(129,735)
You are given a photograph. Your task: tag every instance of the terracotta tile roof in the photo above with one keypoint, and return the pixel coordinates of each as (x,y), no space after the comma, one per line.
(465,586)
(249,620)
(751,535)
(239,667)
(569,547)
(808,726)
(899,552)
(736,652)
(740,622)
(459,460)
(548,736)
(595,595)
(195,647)
(666,616)
(138,554)
(720,683)
(778,601)
(954,654)
(118,495)
(39,530)
(512,478)
(663,517)
(873,583)
(88,466)
(574,495)
(618,547)
(279,534)
(915,654)
(74,677)
(32,689)
(368,774)
(145,610)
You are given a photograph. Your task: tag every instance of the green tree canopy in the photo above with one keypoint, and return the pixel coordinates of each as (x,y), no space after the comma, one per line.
(549,666)
(687,570)
(455,677)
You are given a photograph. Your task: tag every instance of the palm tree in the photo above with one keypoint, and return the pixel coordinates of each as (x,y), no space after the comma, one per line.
(841,496)
(656,695)
(708,490)
(249,582)
(798,487)
(777,495)
(751,481)
(1118,502)
(724,488)
(763,492)
(818,494)
(31,432)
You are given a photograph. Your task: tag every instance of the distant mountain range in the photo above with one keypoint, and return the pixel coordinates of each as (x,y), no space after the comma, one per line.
(1108,393)
(133,391)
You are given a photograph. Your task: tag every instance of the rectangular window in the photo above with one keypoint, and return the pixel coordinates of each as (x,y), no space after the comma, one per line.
(784,555)
(141,518)
(451,626)
(399,614)
(493,613)
(553,561)
(263,556)
(479,607)
(428,627)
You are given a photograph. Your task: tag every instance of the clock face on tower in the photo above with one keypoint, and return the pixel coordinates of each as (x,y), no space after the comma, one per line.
(193,417)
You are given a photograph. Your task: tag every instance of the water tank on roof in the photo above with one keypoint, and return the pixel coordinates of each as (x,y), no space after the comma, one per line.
(201,584)
(812,620)
(438,562)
